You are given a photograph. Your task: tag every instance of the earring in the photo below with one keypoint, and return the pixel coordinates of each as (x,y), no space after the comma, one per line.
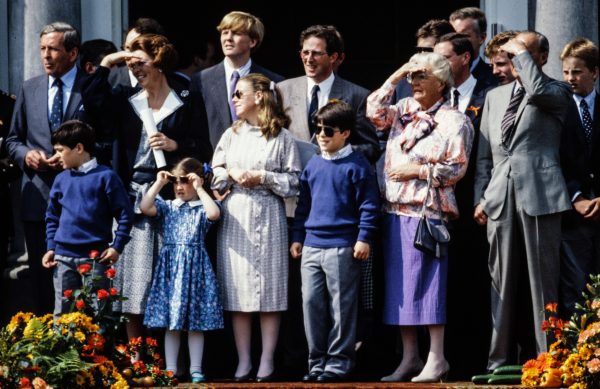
(160,70)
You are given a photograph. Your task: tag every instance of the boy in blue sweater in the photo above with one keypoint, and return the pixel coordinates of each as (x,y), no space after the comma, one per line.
(335,221)
(84,199)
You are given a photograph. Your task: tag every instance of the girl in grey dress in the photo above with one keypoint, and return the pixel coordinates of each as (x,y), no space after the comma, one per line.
(257,164)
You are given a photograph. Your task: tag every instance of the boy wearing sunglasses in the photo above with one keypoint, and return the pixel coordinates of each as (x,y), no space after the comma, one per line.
(335,221)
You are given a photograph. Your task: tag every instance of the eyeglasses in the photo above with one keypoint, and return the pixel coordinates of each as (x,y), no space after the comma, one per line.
(422,49)
(315,54)
(238,93)
(328,131)
(178,180)
(416,76)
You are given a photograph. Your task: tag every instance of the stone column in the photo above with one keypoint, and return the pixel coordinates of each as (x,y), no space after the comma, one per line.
(26,19)
(561,21)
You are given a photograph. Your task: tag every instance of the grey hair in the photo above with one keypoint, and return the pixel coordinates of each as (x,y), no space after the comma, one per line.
(71,38)
(437,63)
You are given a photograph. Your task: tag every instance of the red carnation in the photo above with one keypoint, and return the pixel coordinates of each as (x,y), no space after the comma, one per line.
(94,254)
(111,273)
(25,382)
(102,294)
(68,294)
(113,291)
(80,304)
(84,269)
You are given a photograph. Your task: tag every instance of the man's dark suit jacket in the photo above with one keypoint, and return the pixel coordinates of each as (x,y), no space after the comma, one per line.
(483,72)
(209,86)
(580,159)
(30,130)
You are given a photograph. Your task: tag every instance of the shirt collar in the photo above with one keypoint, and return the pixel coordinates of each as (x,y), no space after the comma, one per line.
(324,86)
(243,70)
(87,166)
(589,99)
(194,203)
(68,79)
(341,153)
(466,88)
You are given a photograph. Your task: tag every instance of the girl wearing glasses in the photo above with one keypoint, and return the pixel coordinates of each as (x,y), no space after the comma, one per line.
(256,163)
(119,112)
(184,293)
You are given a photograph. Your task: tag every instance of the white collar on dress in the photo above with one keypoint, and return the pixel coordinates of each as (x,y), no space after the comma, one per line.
(193,203)
(172,103)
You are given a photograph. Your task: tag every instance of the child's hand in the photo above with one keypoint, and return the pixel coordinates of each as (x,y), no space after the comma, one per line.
(109,256)
(219,196)
(296,250)
(361,250)
(162,177)
(48,259)
(196,180)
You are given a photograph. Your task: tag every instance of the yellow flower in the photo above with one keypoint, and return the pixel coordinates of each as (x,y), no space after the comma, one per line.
(80,336)
(19,318)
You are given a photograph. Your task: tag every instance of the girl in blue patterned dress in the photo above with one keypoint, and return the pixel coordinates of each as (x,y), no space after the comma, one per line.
(184,293)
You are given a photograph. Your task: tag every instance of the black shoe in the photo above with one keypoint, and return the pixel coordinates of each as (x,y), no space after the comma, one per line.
(243,378)
(311,377)
(328,376)
(267,378)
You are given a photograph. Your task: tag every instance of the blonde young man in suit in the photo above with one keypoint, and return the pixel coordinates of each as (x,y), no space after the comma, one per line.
(241,35)
(520,191)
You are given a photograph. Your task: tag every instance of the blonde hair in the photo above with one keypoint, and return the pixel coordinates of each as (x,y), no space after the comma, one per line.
(245,23)
(583,49)
(437,63)
(493,46)
(271,116)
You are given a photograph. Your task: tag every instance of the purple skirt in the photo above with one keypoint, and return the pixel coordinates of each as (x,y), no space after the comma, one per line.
(415,283)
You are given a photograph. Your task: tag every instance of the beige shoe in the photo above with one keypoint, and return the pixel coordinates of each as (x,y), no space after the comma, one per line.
(440,376)
(404,375)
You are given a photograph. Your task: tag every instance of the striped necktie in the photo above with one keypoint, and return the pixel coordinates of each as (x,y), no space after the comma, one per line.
(508,121)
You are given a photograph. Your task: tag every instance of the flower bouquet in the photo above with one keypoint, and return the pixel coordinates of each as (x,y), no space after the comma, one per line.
(148,369)
(573,361)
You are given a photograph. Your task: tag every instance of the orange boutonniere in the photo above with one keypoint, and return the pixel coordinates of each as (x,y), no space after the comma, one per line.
(474,109)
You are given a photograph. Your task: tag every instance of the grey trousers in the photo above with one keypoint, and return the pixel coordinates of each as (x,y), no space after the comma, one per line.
(330,283)
(513,234)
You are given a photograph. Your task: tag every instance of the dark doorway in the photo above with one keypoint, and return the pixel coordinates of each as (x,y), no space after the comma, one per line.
(379,36)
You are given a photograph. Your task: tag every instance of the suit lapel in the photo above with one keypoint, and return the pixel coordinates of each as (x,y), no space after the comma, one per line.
(74,99)
(476,103)
(595,124)
(218,89)
(41,100)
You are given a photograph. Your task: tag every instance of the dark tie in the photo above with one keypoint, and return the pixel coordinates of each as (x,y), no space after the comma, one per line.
(235,76)
(586,119)
(57,106)
(508,121)
(455,98)
(313,108)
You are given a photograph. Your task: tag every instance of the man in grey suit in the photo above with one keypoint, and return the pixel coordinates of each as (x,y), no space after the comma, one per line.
(520,191)
(241,34)
(43,104)
(303,96)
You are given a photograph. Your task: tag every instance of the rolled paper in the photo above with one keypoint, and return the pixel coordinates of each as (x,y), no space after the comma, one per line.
(150,127)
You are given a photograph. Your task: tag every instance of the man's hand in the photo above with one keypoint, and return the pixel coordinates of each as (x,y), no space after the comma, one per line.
(48,259)
(296,250)
(361,250)
(36,160)
(480,216)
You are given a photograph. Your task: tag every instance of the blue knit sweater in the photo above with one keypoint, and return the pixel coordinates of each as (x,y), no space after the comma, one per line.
(338,204)
(81,209)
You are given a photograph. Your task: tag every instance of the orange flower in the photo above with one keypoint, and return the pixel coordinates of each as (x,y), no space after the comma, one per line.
(102,294)
(84,269)
(113,291)
(80,304)
(68,294)
(24,383)
(551,307)
(96,341)
(474,109)
(94,254)
(151,342)
(110,273)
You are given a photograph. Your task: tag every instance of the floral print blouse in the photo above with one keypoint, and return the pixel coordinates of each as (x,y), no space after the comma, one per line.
(444,151)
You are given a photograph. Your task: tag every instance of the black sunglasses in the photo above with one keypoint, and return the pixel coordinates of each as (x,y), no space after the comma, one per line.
(328,131)
(180,179)
(421,49)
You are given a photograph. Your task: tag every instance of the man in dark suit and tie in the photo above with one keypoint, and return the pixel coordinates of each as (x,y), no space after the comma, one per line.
(471,21)
(241,34)
(42,105)
(520,192)
(580,161)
